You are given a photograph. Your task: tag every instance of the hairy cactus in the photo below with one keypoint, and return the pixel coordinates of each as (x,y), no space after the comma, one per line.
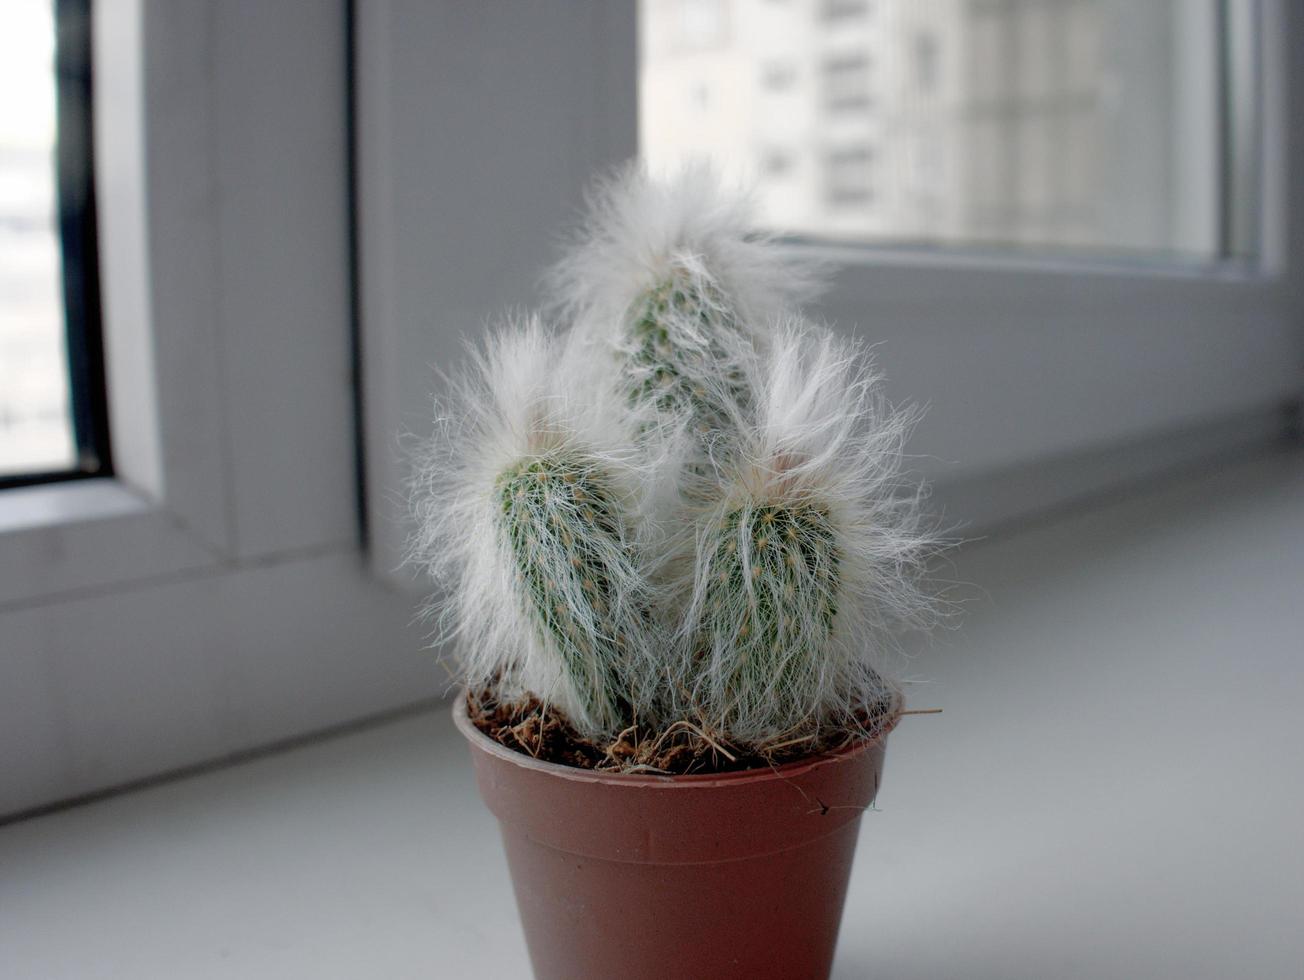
(638,232)
(679,338)
(808,556)
(565,532)
(685,364)
(527,506)
(688,510)
(673,282)
(770,605)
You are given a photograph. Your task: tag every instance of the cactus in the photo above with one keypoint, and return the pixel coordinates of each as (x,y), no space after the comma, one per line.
(688,509)
(807,558)
(677,340)
(564,529)
(684,364)
(673,281)
(526,505)
(770,606)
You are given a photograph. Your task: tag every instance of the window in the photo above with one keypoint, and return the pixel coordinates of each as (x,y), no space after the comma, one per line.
(775,163)
(778,76)
(926,63)
(846,83)
(847,177)
(52,418)
(1045,349)
(839,10)
(1067,125)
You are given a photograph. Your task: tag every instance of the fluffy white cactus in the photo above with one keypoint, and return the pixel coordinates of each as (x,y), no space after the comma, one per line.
(527,507)
(688,509)
(671,281)
(639,233)
(807,558)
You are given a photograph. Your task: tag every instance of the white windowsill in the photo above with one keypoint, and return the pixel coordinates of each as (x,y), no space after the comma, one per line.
(1112,790)
(959,259)
(64,504)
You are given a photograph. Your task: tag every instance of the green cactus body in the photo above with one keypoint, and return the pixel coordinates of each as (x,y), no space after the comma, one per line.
(563,527)
(680,332)
(769,611)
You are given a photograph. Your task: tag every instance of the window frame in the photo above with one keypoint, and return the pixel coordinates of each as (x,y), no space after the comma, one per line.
(150,517)
(1169,317)
(180,496)
(210,596)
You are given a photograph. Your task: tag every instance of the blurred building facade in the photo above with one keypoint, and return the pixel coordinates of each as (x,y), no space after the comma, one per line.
(35,426)
(1091,124)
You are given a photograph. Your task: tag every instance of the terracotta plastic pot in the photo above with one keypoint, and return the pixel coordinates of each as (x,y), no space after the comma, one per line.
(632,877)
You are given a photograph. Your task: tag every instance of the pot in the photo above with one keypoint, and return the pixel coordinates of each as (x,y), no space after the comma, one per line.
(645,877)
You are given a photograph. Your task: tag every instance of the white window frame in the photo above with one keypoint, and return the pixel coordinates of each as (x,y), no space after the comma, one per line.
(203,335)
(1045,379)
(479,128)
(1051,379)
(210,597)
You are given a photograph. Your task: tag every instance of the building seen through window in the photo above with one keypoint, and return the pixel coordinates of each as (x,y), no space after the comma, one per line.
(52,419)
(1094,125)
(35,423)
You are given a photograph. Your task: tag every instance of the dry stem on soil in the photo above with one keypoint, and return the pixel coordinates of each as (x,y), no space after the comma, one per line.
(531,727)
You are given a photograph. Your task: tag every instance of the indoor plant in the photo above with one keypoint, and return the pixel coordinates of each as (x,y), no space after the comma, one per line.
(674,541)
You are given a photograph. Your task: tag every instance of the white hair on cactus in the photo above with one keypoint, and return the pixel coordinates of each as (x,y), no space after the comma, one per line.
(808,557)
(689,512)
(527,505)
(673,282)
(639,231)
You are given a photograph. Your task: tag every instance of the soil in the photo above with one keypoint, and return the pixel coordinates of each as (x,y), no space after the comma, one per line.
(684,747)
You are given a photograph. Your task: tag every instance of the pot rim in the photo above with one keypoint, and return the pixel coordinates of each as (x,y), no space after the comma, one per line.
(479,740)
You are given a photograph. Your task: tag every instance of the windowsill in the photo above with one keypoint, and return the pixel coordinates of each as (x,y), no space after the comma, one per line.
(59,540)
(936,259)
(1115,772)
(67,503)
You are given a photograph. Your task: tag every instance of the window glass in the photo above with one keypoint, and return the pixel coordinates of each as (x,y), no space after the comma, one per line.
(1091,125)
(36,432)
(53,421)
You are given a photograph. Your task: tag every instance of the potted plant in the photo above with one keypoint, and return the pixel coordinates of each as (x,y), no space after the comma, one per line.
(674,542)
